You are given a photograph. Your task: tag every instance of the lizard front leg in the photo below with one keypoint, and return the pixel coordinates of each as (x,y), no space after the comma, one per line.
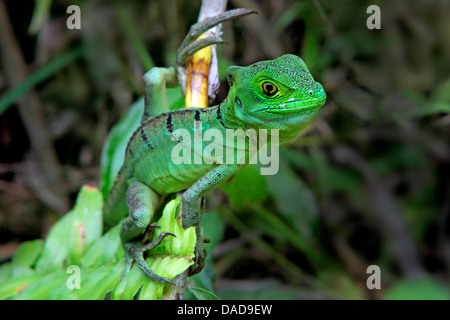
(156,80)
(190,210)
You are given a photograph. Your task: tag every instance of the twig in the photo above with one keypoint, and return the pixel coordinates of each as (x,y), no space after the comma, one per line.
(209,8)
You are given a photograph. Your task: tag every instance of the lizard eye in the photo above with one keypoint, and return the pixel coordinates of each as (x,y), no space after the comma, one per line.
(310,92)
(269,89)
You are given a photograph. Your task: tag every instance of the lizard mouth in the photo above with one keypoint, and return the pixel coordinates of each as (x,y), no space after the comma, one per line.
(292,106)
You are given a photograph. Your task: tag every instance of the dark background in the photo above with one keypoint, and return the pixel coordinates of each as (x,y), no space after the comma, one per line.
(366,184)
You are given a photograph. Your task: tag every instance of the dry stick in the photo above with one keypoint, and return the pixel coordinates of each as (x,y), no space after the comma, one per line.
(209,8)
(31,114)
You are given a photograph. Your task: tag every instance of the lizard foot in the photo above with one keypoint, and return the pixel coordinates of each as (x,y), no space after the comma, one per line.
(189,46)
(135,251)
(199,260)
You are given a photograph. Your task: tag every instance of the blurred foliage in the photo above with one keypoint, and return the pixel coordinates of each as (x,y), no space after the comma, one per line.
(42,270)
(368,183)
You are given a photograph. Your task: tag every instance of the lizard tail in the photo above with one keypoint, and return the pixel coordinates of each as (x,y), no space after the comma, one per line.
(115,207)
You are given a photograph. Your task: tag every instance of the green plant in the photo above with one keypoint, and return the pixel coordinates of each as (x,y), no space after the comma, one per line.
(40,269)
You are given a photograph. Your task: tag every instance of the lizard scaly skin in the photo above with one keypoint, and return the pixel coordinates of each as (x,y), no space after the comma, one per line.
(277,95)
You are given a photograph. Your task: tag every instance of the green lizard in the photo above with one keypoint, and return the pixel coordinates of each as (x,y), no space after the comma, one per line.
(277,95)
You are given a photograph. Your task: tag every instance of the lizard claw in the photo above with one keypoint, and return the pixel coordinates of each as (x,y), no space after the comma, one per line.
(195,46)
(199,260)
(200,27)
(135,251)
(190,44)
(206,240)
(149,232)
(154,225)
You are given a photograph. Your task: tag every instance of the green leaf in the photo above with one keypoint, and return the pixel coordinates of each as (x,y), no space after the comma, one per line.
(133,34)
(293,199)
(172,257)
(27,253)
(105,250)
(113,152)
(203,294)
(126,290)
(442,93)
(427,109)
(418,289)
(39,76)
(339,285)
(175,98)
(213,229)
(247,188)
(70,236)
(96,283)
(40,13)
(5,271)
(12,287)
(40,289)
(184,242)
(311,48)
(168,266)
(287,17)
(25,257)
(263,290)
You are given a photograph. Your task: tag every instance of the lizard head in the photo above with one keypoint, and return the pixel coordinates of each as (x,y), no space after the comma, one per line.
(276,94)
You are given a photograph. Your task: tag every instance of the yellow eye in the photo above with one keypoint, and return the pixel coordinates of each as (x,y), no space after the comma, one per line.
(269,89)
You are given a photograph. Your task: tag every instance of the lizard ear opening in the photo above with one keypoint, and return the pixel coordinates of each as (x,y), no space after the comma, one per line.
(231,75)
